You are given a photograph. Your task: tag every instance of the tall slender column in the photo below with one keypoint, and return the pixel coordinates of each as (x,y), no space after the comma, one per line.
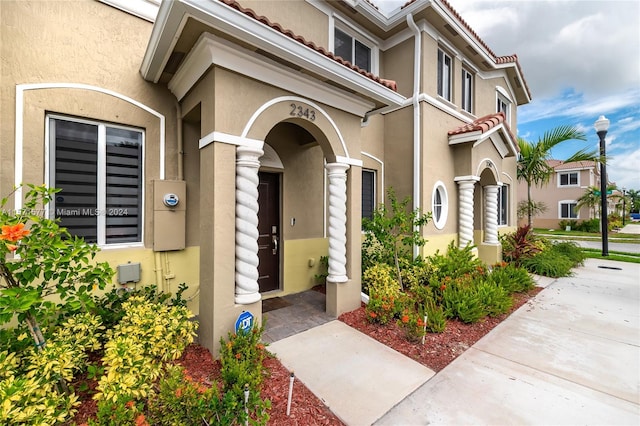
(337,173)
(465,211)
(247,165)
(491,214)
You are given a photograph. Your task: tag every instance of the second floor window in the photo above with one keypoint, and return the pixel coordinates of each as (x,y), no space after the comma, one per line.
(98,168)
(503,105)
(352,50)
(444,75)
(467,91)
(569,179)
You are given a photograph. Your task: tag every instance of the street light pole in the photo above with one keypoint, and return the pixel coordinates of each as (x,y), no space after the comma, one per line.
(624,205)
(602,125)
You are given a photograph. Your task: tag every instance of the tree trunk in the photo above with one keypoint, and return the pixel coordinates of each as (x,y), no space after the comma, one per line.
(529,206)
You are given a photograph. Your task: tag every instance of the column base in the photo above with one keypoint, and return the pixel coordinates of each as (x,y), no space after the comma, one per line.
(337,278)
(247,299)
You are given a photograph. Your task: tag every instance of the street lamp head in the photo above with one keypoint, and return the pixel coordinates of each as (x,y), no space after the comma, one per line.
(602,124)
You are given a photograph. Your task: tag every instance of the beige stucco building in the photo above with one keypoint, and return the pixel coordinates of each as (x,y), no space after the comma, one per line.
(561,195)
(229,145)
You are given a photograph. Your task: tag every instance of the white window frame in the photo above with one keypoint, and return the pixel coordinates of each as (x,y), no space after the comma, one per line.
(447,79)
(373,188)
(467,89)
(439,222)
(568,173)
(358,35)
(101,174)
(567,202)
(503,219)
(503,103)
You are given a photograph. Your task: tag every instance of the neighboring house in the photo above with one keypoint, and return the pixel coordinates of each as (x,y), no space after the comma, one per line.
(229,145)
(561,195)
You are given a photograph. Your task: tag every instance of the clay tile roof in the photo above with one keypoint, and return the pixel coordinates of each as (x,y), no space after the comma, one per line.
(482,124)
(561,165)
(390,84)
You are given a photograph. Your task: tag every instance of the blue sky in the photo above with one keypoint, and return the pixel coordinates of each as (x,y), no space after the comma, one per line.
(580,58)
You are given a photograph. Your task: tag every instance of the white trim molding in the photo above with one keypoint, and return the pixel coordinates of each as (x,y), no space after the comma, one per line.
(229,139)
(19,124)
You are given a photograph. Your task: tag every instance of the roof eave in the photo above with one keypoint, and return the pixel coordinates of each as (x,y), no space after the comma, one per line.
(173,15)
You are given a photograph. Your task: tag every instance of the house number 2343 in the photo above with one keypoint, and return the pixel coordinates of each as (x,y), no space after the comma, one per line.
(302,112)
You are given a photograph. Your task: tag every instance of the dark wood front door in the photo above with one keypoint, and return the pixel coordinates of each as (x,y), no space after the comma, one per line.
(269,228)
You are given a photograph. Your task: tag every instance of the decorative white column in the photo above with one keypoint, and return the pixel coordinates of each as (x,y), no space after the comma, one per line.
(247,165)
(491,214)
(337,173)
(465,211)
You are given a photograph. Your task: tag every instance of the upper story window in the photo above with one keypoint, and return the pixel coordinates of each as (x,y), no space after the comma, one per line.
(467,91)
(503,104)
(368,193)
(569,179)
(352,50)
(445,65)
(98,168)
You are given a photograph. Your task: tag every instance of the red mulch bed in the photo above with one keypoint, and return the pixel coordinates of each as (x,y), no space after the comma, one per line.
(439,349)
(306,409)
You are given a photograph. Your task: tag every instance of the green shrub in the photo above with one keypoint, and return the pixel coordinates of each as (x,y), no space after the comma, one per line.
(548,264)
(183,401)
(454,262)
(571,223)
(436,322)
(512,278)
(591,225)
(147,335)
(569,250)
(384,293)
(241,359)
(495,299)
(462,302)
(412,322)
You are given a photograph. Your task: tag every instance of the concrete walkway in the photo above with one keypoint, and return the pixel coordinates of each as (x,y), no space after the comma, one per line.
(570,356)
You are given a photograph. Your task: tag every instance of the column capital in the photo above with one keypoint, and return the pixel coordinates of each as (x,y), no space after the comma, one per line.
(336,168)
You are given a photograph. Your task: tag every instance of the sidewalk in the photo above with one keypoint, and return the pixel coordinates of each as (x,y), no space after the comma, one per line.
(571,356)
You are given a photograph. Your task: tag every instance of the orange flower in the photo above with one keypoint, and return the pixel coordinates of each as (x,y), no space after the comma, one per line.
(178,392)
(141,420)
(442,287)
(129,404)
(238,356)
(14,233)
(420,323)
(373,314)
(12,247)
(260,346)
(201,389)
(405,319)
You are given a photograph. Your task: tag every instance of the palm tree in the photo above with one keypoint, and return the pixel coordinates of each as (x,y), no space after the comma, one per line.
(533,167)
(633,196)
(590,198)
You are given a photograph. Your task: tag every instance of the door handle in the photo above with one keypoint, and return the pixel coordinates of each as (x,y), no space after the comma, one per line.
(274,239)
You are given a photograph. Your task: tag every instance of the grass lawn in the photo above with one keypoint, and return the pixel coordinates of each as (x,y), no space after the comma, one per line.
(613,255)
(618,237)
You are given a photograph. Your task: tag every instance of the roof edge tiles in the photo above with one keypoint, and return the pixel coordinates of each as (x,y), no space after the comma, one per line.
(482,124)
(390,84)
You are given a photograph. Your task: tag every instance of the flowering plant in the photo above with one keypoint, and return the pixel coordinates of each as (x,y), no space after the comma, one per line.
(38,259)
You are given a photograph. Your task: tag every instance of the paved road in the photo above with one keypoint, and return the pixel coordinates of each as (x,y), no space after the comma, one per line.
(613,246)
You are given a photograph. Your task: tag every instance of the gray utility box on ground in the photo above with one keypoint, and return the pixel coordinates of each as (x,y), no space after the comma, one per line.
(169,214)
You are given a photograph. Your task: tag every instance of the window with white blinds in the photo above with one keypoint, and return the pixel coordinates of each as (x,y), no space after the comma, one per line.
(368,193)
(98,168)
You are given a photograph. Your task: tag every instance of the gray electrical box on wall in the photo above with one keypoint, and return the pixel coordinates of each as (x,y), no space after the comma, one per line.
(169,214)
